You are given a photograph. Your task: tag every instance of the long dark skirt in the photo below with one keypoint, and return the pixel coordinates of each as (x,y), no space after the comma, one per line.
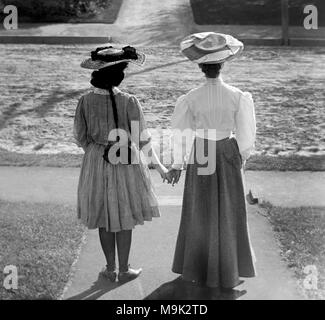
(213,245)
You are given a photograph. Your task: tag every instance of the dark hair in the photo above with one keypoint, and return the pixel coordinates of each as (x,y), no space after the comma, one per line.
(108,77)
(211,70)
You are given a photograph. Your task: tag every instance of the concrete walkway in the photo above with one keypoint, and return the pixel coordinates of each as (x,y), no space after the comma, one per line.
(108,30)
(43,184)
(153,249)
(154,242)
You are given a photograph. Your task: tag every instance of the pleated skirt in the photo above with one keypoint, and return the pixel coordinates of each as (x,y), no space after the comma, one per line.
(115,197)
(213,246)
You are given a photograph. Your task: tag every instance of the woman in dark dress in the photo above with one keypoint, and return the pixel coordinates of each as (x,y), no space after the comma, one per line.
(213,246)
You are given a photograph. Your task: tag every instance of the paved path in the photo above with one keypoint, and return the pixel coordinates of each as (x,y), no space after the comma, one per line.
(153,249)
(103,29)
(274,280)
(289,189)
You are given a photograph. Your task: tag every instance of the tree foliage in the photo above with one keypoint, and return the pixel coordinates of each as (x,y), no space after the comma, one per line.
(251,11)
(55,10)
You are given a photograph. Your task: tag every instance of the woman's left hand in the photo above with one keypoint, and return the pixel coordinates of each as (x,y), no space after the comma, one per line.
(173,176)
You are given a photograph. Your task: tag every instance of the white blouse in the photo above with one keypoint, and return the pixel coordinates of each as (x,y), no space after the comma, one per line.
(214,111)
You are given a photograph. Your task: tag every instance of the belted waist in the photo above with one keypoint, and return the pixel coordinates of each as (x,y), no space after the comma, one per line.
(213,135)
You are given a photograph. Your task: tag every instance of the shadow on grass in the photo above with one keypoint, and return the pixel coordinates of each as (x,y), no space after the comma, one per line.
(155,68)
(49,103)
(55,98)
(179,289)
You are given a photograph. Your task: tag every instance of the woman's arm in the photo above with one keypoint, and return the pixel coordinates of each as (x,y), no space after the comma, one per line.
(157,164)
(245,125)
(141,135)
(80,126)
(183,128)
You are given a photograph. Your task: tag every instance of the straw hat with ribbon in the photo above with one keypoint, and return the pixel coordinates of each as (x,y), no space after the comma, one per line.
(211,47)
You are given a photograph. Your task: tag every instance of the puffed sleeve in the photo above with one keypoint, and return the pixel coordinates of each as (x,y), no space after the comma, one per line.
(80,125)
(245,125)
(183,126)
(139,131)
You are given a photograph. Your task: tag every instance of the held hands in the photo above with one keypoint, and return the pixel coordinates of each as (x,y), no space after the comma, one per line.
(163,171)
(172,176)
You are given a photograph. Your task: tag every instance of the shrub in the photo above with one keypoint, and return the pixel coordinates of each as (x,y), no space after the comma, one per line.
(250,11)
(55,10)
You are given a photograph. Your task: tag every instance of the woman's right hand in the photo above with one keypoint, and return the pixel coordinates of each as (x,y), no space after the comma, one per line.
(162,171)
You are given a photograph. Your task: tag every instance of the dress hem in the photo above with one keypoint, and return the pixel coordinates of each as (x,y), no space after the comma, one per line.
(213,285)
(118,230)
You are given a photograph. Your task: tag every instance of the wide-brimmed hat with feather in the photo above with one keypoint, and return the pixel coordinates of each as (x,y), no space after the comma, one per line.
(107,56)
(211,47)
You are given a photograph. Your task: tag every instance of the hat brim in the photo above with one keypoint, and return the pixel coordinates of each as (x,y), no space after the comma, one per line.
(197,56)
(98,64)
(211,47)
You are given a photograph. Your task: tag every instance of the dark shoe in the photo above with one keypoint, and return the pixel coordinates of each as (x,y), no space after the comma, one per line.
(129,275)
(250,199)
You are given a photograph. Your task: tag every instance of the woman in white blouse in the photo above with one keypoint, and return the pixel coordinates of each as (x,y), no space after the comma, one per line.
(213,246)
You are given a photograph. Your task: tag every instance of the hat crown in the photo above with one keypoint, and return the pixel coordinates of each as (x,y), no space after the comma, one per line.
(211,47)
(212,42)
(109,51)
(106,56)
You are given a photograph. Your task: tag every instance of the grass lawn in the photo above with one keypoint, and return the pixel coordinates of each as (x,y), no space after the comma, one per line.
(42,241)
(37,108)
(301,233)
